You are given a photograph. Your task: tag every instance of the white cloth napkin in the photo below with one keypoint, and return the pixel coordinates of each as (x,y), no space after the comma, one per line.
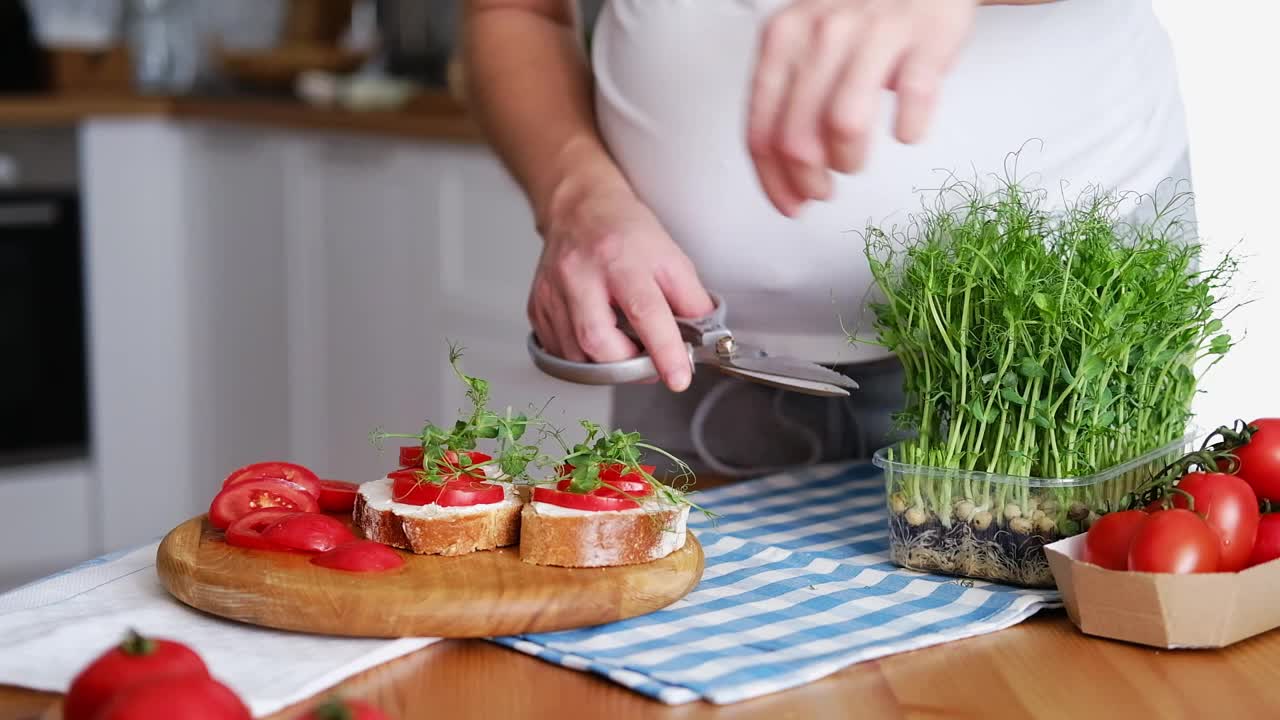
(53,628)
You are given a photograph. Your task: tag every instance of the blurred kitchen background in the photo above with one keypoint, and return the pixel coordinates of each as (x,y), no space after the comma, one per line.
(232,231)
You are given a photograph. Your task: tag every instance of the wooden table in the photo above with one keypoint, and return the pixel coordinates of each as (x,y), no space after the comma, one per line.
(1042,668)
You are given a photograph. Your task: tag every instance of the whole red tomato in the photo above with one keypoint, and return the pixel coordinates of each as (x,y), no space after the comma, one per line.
(1107,542)
(346,710)
(1260,459)
(138,659)
(190,698)
(1267,545)
(1174,541)
(1228,506)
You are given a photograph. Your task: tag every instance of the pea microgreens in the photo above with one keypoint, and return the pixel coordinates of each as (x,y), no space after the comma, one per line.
(444,451)
(601,450)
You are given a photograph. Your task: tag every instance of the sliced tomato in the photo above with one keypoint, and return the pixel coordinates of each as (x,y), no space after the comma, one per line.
(308,532)
(338,495)
(247,531)
(463,493)
(411,456)
(242,498)
(360,556)
(291,472)
(620,489)
(408,486)
(582,501)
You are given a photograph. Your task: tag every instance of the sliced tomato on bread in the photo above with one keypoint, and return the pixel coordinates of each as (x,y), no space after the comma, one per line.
(409,487)
(582,501)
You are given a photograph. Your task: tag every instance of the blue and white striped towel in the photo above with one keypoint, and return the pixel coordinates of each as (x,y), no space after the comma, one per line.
(798,584)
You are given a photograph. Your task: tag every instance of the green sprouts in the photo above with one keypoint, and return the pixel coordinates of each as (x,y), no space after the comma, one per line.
(1039,344)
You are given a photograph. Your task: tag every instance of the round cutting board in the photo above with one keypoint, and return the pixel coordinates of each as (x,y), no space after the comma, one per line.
(483,594)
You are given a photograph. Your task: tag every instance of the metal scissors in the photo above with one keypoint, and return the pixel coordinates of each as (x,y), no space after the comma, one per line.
(709,342)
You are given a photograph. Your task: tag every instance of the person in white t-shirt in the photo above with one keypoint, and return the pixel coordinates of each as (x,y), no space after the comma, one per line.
(741,145)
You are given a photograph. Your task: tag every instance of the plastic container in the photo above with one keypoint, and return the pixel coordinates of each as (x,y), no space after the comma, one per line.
(994,527)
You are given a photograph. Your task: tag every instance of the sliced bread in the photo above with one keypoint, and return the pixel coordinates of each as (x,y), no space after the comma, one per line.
(567,537)
(436,530)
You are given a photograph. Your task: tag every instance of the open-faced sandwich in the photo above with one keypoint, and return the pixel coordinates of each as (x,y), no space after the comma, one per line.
(605,508)
(447,498)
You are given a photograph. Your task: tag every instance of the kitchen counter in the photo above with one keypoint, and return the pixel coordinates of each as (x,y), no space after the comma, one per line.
(433,115)
(1042,668)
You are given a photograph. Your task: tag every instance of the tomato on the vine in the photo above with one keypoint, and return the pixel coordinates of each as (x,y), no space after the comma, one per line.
(1260,459)
(1107,542)
(1266,546)
(1229,507)
(136,660)
(1174,541)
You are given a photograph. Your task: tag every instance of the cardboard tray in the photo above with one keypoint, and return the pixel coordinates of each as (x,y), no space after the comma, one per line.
(1209,610)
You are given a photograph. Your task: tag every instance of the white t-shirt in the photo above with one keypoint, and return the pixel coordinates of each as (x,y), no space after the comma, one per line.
(1087,89)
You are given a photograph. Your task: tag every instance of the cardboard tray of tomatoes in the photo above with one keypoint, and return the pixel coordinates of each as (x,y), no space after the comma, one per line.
(1191,562)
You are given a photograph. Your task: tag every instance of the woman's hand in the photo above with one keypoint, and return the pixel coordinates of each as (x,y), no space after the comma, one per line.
(822,67)
(602,249)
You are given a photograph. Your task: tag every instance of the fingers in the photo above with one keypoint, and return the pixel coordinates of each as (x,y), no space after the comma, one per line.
(679,282)
(916,86)
(557,313)
(594,326)
(801,127)
(780,49)
(856,99)
(646,308)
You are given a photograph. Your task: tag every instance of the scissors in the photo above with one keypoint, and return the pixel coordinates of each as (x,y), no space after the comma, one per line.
(708,342)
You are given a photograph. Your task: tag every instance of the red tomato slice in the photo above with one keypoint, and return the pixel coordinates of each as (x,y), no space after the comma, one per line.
(247,531)
(408,487)
(242,498)
(291,472)
(1174,541)
(582,501)
(338,495)
(308,532)
(620,489)
(411,456)
(360,556)
(463,493)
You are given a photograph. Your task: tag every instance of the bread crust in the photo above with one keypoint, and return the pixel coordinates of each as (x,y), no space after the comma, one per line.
(600,539)
(448,535)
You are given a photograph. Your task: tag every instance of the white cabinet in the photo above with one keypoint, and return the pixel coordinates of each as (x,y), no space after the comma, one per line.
(262,294)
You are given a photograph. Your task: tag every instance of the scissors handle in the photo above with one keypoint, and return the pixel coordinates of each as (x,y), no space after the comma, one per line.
(636,369)
(698,332)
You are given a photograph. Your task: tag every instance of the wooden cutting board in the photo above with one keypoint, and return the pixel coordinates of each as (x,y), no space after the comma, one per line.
(483,594)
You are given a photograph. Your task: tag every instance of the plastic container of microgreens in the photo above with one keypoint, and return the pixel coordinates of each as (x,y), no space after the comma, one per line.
(989,526)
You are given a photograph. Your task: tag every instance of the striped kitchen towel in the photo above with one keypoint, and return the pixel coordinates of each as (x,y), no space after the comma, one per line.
(798,584)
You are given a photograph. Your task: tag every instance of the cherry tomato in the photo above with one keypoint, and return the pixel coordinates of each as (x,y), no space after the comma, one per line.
(247,531)
(1267,545)
(292,472)
(346,710)
(1107,542)
(242,498)
(308,532)
(338,495)
(189,698)
(360,556)
(1174,541)
(1228,506)
(137,659)
(1260,459)
(582,501)
(462,493)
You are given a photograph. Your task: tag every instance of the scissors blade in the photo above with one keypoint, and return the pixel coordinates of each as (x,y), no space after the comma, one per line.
(758,361)
(807,387)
